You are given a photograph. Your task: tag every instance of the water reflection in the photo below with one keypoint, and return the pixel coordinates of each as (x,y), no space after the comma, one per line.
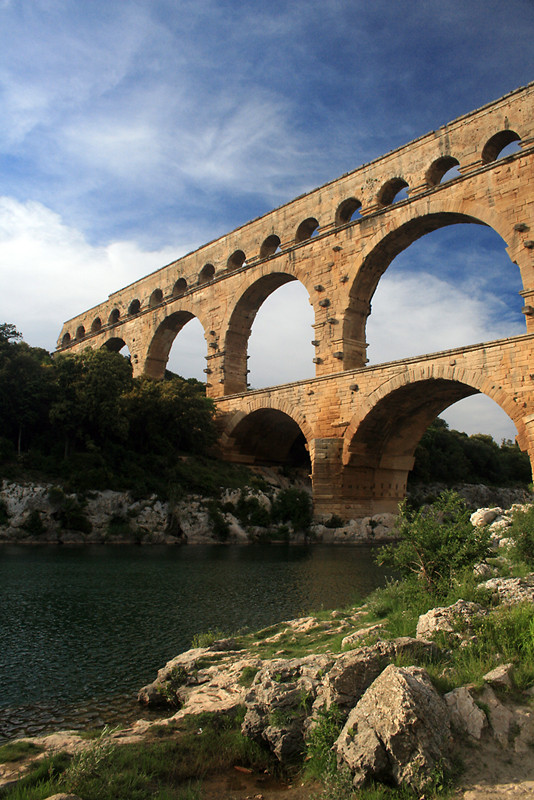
(82,629)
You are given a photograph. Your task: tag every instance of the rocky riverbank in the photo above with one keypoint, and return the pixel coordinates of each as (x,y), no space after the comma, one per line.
(44,514)
(342,694)
(393,725)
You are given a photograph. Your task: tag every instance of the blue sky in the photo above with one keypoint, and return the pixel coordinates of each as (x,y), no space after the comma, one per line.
(133,131)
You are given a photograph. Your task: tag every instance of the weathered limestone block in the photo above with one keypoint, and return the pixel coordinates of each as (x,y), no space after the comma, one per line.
(485,516)
(279,701)
(501,676)
(448,618)
(509,591)
(398,732)
(466,716)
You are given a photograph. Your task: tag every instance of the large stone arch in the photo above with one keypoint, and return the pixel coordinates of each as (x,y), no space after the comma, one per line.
(380,441)
(400,231)
(266,433)
(161,340)
(240,317)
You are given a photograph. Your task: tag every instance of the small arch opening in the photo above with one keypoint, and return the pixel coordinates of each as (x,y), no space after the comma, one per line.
(306,229)
(134,307)
(155,298)
(80,332)
(97,325)
(441,170)
(494,147)
(179,287)
(236,260)
(270,245)
(206,274)
(117,345)
(348,210)
(114,317)
(393,191)
(65,340)
(271,437)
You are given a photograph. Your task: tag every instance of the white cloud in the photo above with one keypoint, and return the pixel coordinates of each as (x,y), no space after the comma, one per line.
(49,272)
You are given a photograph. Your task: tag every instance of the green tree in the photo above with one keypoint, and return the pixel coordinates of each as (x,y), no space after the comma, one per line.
(26,388)
(88,406)
(169,415)
(435,542)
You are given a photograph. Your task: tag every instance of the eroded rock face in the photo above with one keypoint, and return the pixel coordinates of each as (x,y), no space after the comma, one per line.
(280,700)
(449,619)
(509,591)
(398,732)
(466,716)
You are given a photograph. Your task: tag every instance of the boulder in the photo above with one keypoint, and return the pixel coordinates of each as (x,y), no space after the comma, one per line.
(485,516)
(448,619)
(501,676)
(509,591)
(280,700)
(398,732)
(466,716)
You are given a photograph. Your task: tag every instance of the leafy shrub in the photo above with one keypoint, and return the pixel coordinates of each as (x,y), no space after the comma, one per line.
(34,523)
(221,529)
(522,533)
(250,511)
(56,496)
(207,638)
(435,542)
(87,763)
(320,758)
(334,522)
(4,516)
(72,516)
(294,506)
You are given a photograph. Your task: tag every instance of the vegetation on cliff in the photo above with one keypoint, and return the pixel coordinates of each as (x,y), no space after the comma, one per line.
(84,421)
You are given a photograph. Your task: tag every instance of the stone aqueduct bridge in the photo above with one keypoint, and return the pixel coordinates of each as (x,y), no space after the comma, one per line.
(360,424)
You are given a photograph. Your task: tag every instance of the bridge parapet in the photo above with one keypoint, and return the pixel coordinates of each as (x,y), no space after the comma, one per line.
(339,257)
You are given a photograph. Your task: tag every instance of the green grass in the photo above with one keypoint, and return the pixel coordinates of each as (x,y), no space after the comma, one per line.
(16,751)
(163,767)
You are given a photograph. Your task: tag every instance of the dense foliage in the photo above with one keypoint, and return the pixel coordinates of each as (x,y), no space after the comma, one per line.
(450,457)
(85,419)
(436,542)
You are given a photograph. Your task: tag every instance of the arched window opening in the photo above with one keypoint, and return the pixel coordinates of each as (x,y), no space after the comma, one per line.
(117,345)
(65,340)
(206,274)
(494,147)
(236,260)
(114,317)
(442,170)
(306,229)
(80,332)
(271,437)
(393,191)
(451,287)
(97,325)
(134,307)
(280,348)
(179,287)
(475,439)
(270,246)
(480,414)
(187,356)
(347,210)
(155,298)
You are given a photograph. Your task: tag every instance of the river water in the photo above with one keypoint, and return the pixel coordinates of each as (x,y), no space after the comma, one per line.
(83,628)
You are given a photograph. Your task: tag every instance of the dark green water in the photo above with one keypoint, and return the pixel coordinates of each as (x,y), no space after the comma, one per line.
(82,629)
